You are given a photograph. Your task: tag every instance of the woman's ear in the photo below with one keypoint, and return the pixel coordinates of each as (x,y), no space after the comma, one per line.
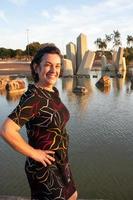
(35,66)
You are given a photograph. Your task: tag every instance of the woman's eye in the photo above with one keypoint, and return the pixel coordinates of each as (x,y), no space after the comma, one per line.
(50,65)
(58,66)
(47,65)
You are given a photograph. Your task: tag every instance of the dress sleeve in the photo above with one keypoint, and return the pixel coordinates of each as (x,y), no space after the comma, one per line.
(27,108)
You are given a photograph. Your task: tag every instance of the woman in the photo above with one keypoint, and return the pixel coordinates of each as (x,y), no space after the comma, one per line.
(45,116)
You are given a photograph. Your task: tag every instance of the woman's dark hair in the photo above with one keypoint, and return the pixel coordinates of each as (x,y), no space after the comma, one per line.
(46,48)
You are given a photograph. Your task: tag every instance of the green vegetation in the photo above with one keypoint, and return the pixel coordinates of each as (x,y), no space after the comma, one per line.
(113,39)
(20,54)
(128,54)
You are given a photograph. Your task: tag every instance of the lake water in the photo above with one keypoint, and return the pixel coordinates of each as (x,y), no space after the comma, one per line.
(101,140)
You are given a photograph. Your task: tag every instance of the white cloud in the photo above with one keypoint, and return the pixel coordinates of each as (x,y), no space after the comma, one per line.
(13,39)
(63,24)
(45,14)
(97,20)
(3,16)
(18,2)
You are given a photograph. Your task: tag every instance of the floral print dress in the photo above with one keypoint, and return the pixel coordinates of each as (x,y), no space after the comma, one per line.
(45,117)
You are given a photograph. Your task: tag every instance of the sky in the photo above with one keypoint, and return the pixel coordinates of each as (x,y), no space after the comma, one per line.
(62,21)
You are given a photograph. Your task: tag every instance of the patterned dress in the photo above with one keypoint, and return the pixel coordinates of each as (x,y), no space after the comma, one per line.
(45,117)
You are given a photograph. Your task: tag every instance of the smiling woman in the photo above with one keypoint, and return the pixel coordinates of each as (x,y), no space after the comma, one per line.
(45,116)
(48,70)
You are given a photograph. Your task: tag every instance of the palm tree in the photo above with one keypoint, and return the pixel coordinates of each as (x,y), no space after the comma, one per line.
(101,44)
(108,38)
(97,42)
(129,40)
(116,39)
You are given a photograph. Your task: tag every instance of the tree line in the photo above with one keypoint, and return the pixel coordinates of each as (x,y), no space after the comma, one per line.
(113,39)
(19,53)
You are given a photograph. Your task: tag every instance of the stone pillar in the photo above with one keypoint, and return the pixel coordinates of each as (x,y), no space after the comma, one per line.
(103,62)
(71,54)
(119,58)
(119,82)
(67,67)
(114,56)
(86,64)
(124,67)
(81,48)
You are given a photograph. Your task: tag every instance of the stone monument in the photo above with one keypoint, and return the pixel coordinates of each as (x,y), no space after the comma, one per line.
(71,54)
(67,67)
(81,48)
(86,64)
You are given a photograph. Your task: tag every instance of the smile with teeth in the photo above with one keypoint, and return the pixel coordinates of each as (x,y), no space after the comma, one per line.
(51,75)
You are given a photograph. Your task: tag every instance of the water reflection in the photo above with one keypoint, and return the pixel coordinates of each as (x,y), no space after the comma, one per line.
(80,99)
(2,92)
(67,87)
(83,100)
(13,97)
(101,141)
(104,84)
(111,74)
(68,84)
(16,94)
(106,90)
(118,83)
(84,82)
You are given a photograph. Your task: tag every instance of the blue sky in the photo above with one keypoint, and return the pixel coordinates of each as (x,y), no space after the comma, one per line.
(61,21)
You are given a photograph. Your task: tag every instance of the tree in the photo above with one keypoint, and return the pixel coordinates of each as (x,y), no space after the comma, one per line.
(11,53)
(19,54)
(101,44)
(129,40)
(5,53)
(32,48)
(128,54)
(108,38)
(116,36)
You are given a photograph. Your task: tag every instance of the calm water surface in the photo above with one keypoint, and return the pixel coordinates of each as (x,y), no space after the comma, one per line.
(101,140)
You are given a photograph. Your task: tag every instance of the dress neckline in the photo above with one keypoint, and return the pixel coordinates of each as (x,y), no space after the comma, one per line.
(44,89)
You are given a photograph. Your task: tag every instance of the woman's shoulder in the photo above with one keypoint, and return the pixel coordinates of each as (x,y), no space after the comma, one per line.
(30,94)
(55,90)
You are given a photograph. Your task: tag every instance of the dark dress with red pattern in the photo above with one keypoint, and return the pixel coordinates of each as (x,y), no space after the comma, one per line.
(45,117)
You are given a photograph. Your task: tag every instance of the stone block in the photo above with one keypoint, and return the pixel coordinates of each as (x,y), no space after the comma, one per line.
(119,57)
(103,62)
(86,64)
(114,56)
(71,54)
(81,48)
(67,67)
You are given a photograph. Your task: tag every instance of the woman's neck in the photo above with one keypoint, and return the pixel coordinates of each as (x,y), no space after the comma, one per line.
(45,87)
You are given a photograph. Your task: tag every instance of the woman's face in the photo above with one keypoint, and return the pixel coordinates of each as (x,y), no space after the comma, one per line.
(49,70)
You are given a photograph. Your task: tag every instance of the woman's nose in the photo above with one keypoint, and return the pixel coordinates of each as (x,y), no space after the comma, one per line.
(53,68)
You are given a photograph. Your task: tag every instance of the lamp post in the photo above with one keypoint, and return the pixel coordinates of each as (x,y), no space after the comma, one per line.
(28,53)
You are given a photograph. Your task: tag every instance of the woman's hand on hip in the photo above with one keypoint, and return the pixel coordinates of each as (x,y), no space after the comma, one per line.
(43,156)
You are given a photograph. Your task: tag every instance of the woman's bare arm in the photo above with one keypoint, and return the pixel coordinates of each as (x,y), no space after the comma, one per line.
(10,133)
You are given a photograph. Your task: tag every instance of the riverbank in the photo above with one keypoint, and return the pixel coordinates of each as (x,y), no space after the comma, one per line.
(14,67)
